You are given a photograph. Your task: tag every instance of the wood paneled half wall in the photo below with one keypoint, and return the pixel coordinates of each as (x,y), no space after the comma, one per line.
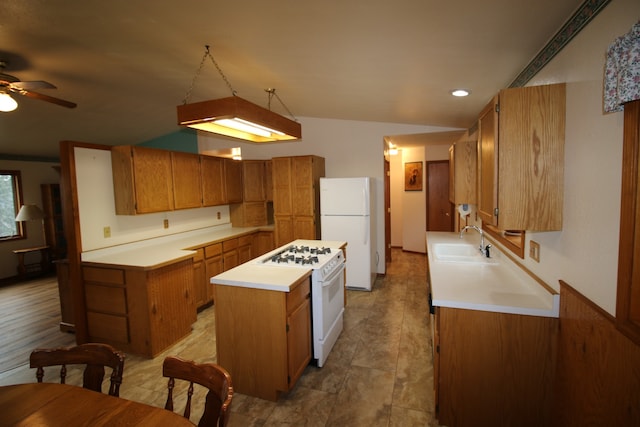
(598,368)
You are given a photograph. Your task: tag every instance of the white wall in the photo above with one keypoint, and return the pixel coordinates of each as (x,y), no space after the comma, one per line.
(32,175)
(585,252)
(396,183)
(414,208)
(350,148)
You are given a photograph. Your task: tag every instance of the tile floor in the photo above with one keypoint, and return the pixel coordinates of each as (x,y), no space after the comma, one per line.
(380,373)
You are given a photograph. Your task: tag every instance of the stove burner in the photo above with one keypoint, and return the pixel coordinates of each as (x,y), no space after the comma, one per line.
(298,255)
(321,251)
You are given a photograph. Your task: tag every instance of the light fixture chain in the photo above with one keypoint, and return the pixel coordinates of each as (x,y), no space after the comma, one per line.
(272,93)
(193,82)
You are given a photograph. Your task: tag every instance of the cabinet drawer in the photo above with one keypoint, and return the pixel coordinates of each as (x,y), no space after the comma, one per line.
(107,327)
(229,245)
(297,295)
(245,240)
(106,299)
(103,275)
(199,255)
(212,250)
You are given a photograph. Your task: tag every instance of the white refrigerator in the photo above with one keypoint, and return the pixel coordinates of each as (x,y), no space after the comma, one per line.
(346,207)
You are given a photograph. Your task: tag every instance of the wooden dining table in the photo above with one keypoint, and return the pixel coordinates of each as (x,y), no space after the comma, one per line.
(52,405)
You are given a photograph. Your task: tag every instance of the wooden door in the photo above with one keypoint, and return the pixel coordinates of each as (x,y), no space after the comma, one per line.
(439,208)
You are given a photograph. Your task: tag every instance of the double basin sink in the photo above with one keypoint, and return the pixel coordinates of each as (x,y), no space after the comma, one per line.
(463,253)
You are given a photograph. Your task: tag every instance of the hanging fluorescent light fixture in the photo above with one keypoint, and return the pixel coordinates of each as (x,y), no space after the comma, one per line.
(236,117)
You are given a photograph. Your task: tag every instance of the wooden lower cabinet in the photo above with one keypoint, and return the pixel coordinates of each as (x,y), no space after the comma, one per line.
(263,242)
(213,266)
(493,368)
(263,337)
(140,311)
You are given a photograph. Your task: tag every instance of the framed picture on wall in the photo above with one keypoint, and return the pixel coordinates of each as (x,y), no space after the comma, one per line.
(413,176)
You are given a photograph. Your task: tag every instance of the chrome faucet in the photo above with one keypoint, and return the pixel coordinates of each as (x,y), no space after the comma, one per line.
(484,250)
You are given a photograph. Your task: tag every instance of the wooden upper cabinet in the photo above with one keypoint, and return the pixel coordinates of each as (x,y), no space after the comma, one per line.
(521,159)
(253,175)
(142,180)
(213,181)
(187,180)
(281,174)
(462,170)
(233,180)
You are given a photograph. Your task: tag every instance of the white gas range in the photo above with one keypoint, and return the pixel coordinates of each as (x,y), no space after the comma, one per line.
(326,260)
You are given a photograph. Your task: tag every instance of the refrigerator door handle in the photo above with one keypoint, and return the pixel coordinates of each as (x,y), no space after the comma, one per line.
(365,229)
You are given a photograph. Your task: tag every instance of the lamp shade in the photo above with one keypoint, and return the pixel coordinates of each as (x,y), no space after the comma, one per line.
(7,103)
(29,213)
(238,118)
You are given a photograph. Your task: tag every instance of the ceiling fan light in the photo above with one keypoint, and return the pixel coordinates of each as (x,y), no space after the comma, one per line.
(7,103)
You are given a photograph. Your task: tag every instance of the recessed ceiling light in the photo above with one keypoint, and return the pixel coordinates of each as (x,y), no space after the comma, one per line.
(460,92)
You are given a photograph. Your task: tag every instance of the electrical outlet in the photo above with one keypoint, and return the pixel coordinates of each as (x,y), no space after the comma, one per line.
(218,215)
(166,223)
(107,232)
(534,250)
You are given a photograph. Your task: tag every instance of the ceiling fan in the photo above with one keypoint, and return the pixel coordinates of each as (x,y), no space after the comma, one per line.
(11,84)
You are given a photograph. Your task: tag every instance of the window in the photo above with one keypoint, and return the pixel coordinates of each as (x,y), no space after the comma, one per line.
(10,202)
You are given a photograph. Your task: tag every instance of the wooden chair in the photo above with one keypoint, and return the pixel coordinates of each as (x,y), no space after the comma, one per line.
(209,375)
(94,355)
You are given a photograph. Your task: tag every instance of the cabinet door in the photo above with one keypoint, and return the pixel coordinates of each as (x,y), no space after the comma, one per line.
(213,267)
(200,294)
(299,339)
(213,181)
(283,229)
(531,158)
(281,168)
(268,180)
(488,163)
(153,183)
(302,185)
(187,180)
(253,180)
(304,227)
(263,242)
(233,180)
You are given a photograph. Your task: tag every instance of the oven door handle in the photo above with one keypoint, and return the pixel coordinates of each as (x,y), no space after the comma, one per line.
(329,280)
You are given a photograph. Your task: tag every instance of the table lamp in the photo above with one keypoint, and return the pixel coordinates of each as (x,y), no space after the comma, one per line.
(32,213)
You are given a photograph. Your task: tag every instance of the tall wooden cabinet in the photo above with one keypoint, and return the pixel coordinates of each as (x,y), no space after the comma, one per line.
(296,197)
(521,158)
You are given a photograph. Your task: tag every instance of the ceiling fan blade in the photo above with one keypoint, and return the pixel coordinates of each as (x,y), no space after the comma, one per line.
(34,84)
(42,97)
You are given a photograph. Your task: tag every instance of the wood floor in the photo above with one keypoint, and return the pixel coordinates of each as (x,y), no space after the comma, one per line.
(30,318)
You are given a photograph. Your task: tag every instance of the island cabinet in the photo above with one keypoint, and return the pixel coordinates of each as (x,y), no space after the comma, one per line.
(137,310)
(142,180)
(493,368)
(521,158)
(263,337)
(296,197)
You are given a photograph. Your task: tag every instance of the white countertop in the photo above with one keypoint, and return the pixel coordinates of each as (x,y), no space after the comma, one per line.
(501,287)
(255,274)
(153,253)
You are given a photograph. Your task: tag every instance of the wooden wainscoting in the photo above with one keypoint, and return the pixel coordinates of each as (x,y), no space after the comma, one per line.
(598,368)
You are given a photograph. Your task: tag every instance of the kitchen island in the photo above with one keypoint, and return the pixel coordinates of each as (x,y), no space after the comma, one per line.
(494,337)
(264,322)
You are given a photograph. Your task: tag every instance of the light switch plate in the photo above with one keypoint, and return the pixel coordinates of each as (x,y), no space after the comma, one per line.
(534,250)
